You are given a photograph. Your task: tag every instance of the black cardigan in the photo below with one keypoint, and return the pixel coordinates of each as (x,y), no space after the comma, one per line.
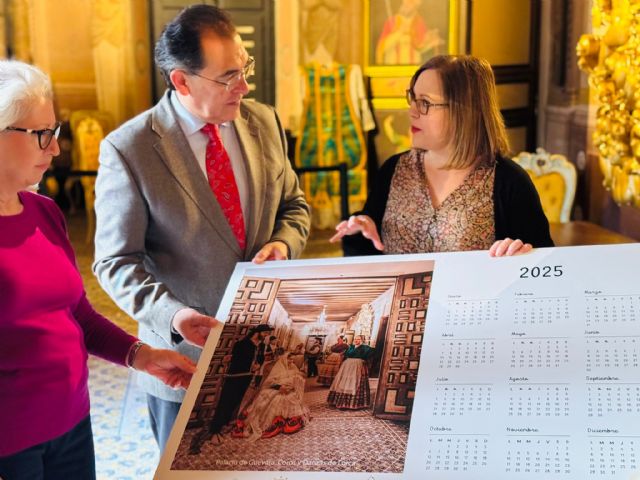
(516,207)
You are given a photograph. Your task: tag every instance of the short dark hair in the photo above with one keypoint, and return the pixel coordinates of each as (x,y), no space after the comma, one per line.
(179,45)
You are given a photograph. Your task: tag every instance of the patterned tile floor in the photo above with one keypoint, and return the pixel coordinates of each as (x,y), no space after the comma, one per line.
(333,440)
(125,448)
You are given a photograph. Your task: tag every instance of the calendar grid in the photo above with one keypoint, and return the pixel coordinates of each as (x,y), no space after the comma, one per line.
(613,454)
(612,351)
(471,312)
(463,352)
(540,352)
(607,399)
(459,399)
(540,310)
(545,367)
(616,309)
(457,452)
(537,454)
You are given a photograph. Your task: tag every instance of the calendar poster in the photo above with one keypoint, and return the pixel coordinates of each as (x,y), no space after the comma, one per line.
(526,367)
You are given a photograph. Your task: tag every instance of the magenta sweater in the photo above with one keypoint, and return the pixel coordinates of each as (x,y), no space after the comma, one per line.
(46,328)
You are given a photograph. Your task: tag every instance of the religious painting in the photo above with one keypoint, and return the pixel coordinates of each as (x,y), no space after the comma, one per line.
(346,352)
(400,35)
(406,32)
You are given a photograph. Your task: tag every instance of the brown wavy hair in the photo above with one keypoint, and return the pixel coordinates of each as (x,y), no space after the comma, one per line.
(476,127)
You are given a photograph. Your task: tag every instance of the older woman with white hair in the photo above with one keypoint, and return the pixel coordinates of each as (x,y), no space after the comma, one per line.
(47,326)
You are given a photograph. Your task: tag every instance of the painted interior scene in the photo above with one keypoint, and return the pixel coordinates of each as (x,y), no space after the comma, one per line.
(305,366)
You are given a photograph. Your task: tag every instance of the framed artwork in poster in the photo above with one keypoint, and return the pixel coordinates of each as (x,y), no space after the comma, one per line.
(249,413)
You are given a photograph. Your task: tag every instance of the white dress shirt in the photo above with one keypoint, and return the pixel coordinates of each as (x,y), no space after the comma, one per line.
(198,140)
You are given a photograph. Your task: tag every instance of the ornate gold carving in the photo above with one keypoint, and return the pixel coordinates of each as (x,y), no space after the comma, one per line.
(611,57)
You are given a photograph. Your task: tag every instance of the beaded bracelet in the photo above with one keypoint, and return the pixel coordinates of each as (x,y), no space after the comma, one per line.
(133,352)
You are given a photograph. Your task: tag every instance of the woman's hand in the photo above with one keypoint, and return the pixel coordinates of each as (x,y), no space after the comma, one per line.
(359,223)
(508,247)
(172,368)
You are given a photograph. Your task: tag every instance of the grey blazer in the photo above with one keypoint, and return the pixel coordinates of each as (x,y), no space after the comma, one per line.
(162,241)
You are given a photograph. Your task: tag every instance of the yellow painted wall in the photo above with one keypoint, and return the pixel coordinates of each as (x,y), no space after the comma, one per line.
(500,31)
(61,45)
(3,33)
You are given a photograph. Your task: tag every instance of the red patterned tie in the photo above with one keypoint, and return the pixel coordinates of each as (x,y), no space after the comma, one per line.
(223,182)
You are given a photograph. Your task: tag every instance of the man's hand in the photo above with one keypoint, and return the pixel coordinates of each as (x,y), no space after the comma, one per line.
(509,247)
(355,224)
(272,251)
(193,326)
(173,368)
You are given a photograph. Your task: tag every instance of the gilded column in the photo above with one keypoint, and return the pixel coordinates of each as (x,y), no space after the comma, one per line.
(3,31)
(287,33)
(120,46)
(19,15)
(108,38)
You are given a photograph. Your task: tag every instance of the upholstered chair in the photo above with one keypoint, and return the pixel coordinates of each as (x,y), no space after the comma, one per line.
(555,180)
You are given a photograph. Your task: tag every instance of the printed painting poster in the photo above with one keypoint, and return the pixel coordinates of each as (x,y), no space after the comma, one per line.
(313,374)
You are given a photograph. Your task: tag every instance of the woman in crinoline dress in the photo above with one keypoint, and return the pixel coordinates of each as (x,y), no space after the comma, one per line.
(279,405)
(350,388)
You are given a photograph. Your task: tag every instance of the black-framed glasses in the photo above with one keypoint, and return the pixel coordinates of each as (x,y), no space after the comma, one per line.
(45,135)
(423,105)
(232,80)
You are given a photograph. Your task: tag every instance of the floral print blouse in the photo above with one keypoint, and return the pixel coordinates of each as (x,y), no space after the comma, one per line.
(464,221)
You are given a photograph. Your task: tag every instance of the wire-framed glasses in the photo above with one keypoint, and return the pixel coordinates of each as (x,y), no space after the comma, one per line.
(45,135)
(422,104)
(233,79)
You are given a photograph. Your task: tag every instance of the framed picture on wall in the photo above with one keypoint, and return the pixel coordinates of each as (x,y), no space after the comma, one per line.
(311,340)
(348,335)
(394,128)
(405,33)
(400,35)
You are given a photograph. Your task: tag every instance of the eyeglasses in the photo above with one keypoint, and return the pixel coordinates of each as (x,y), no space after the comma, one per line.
(247,71)
(422,104)
(45,135)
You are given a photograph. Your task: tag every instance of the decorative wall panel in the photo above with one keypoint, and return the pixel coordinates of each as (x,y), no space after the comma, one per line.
(401,357)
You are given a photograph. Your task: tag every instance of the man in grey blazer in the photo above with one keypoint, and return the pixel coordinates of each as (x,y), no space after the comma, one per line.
(164,247)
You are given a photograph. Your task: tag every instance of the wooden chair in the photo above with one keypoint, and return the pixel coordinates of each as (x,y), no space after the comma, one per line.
(88,128)
(555,180)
